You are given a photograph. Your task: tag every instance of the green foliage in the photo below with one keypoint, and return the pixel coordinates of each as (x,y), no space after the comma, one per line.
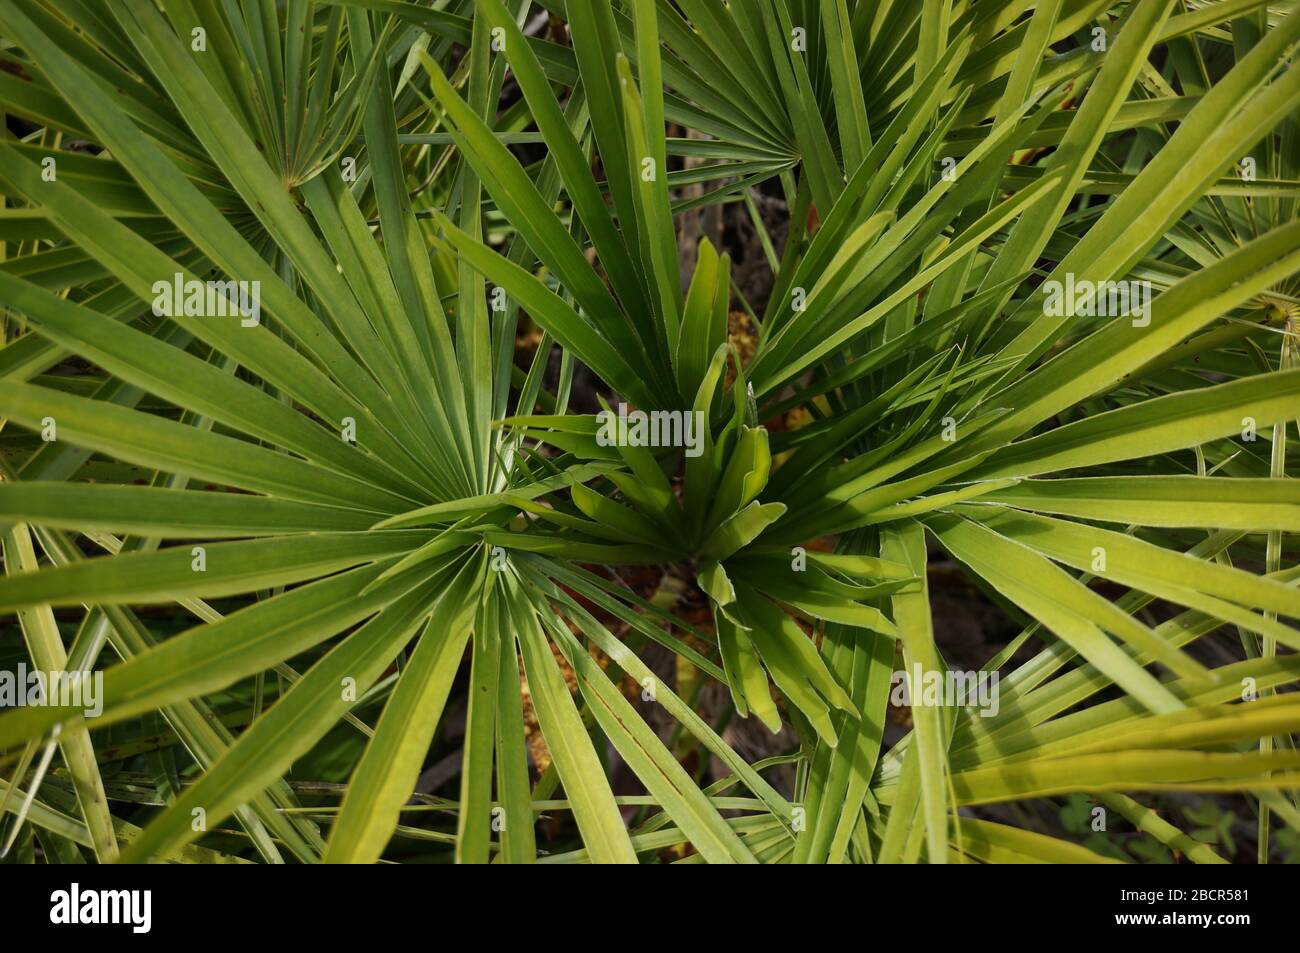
(325,546)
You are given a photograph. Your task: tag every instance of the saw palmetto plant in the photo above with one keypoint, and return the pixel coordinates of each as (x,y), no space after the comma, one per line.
(565,431)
